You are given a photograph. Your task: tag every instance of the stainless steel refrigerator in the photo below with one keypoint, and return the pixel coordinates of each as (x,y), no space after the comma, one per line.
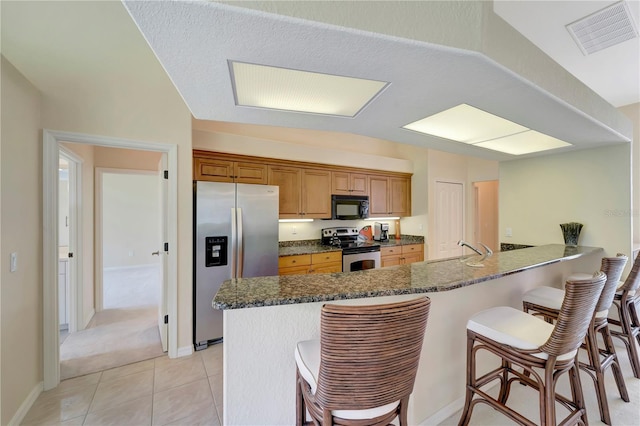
(235,236)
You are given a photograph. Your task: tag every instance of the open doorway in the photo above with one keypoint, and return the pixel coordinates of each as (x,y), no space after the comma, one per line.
(127,265)
(52,145)
(63,248)
(486,213)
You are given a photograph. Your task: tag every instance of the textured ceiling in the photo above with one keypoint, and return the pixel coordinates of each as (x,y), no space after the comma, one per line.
(195,41)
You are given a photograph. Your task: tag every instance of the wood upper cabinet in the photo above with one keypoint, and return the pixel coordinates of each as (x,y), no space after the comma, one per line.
(316,194)
(288,179)
(389,196)
(304,193)
(345,183)
(208,169)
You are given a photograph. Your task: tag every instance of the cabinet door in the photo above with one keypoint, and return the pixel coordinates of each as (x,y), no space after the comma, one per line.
(399,196)
(212,170)
(358,184)
(378,196)
(316,194)
(255,173)
(340,183)
(391,260)
(326,268)
(288,181)
(411,257)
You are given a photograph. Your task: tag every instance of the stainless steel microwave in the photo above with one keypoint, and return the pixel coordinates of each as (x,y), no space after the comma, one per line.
(349,207)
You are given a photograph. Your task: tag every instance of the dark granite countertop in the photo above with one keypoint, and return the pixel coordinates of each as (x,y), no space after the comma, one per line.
(293,248)
(419,277)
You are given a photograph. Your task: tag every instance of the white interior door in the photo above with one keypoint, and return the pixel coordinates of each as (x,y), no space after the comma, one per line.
(449,219)
(163,209)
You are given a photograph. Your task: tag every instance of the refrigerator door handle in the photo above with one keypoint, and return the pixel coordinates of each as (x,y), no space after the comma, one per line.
(240,244)
(234,243)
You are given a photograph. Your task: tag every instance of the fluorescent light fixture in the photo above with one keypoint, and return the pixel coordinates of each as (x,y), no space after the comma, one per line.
(294,220)
(285,89)
(464,123)
(382,218)
(524,143)
(470,125)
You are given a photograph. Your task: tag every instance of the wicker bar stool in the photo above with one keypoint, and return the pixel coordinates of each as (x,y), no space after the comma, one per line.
(625,300)
(546,301)
(522,340)
(363,368)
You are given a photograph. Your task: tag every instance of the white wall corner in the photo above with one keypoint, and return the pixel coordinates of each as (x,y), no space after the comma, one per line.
(26,405)
(88,317)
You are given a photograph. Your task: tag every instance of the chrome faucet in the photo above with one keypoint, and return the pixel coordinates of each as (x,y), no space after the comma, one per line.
(475,263)
(466,244)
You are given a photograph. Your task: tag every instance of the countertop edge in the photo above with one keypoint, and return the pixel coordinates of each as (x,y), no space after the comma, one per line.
(221,305)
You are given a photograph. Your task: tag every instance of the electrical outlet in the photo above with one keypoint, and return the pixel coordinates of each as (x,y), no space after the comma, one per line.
(294,230)
(508,232)
(131,253)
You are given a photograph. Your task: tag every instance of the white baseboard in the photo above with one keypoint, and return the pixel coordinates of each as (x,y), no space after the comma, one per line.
(26,405)
(185,351)
(444,413)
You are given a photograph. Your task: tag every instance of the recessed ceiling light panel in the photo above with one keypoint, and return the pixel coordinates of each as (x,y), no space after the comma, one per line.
(464,123)
(467,124)
(524,143)
(286,89)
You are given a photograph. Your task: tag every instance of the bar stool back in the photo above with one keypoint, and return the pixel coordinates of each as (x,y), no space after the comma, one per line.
(523,340)
(545,300)
(367,363)
(625,300)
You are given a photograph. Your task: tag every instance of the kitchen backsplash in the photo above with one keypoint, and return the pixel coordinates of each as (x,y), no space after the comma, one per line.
(295,231)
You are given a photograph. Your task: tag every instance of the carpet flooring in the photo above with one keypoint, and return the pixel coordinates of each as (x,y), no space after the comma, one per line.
(126,331)
(115,337)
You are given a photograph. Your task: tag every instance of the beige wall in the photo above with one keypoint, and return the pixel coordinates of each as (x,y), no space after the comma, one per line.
(126,158)
(152,112)
(588,186)
(21,232)
(633,113)
(447,167)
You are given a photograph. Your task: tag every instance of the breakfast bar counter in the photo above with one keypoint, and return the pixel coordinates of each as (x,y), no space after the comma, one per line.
(421,277)
(265,317)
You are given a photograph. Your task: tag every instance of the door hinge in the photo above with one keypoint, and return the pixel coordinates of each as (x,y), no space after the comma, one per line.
(166,174)
(166,247)
(166,319)
(70,255)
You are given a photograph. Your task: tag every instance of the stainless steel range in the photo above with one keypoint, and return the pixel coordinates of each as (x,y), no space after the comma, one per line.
(356,255)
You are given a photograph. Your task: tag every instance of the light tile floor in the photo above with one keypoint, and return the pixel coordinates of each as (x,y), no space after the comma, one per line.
(159,391)
(188,391)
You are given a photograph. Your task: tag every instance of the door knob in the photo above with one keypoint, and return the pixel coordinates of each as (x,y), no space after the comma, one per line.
(155,253)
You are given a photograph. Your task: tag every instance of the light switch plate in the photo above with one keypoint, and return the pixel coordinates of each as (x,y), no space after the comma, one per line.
(508,232)
(14,262)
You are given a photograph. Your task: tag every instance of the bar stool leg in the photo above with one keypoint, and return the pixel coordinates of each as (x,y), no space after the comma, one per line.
(598,375)
(628,317)
(576,391)
(300,407)
(549,397)
(615,365)
(471,373)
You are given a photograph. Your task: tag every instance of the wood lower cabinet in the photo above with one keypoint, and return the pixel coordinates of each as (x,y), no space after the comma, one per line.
(317,263)
(345,183)
(401,255)
(304,193)
(208,169)
(389,196)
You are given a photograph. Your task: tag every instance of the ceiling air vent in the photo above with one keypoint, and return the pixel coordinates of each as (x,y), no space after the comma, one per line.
(604,28)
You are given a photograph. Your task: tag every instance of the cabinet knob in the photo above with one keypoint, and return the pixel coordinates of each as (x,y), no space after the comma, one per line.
(293,261)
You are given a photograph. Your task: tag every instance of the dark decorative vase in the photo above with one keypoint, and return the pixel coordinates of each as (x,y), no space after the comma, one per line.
(571,233)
